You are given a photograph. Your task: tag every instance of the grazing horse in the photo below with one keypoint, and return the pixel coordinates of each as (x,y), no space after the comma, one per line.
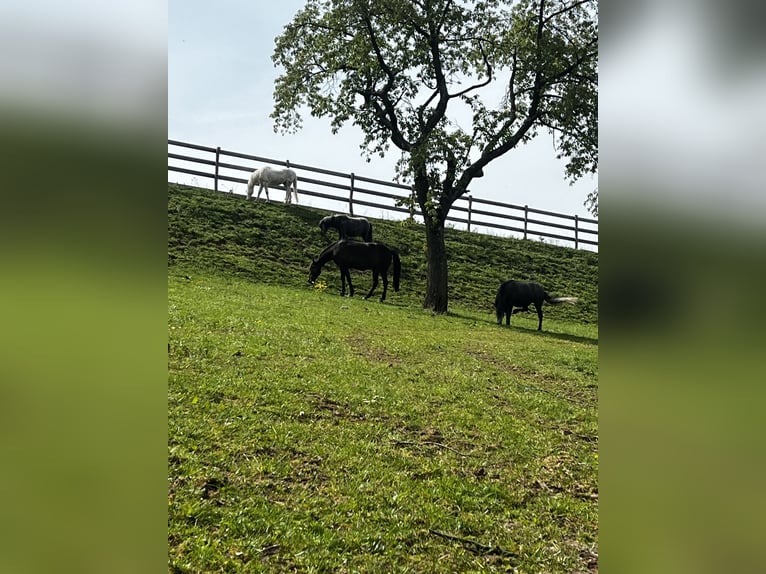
(362,256)
(521,294)
(347,226)
(267,177)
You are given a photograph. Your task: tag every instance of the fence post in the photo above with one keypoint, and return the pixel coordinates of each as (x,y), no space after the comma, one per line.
(287,189)
(351,196)
(217,156)
(526,217)
(577,244)
(470,203)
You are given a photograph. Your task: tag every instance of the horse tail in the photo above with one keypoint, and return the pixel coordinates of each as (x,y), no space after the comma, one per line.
(368,235)
(295,188)
(397,270)
(560,300)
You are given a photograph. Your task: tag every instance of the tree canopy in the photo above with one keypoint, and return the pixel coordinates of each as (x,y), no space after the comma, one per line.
(453,85)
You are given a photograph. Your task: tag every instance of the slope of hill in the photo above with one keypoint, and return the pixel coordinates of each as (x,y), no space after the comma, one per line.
(273,243)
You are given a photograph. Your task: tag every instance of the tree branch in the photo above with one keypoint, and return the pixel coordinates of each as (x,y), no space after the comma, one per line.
(572,132)
(396,135)
(449,175)
(387,113)
(441,81)
(573,65)
(512,82)
(378,54)
(481,84)
(422,109)
(567,9)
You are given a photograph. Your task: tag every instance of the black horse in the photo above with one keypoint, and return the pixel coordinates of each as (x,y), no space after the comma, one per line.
(347,226)
(521,294)
(358,255)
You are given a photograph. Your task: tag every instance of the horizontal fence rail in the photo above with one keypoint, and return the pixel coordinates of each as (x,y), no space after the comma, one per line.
(475,213)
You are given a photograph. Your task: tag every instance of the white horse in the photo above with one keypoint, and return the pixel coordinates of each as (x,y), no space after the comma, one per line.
(267,177)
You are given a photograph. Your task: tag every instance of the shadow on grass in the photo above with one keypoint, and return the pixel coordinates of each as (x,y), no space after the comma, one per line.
(562,336)
(532,331)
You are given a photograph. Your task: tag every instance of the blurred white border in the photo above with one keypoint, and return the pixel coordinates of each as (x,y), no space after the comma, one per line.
(95,61)
(682,114)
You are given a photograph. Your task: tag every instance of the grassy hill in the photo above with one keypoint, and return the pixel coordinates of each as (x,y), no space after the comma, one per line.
(313,433)
(273,243)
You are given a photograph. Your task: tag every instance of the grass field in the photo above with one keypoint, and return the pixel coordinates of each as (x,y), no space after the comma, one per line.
(314,433)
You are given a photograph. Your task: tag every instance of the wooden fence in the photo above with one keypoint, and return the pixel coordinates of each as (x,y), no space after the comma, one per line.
(345,188)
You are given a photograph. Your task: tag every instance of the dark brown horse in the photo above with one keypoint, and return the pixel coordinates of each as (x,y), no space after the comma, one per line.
(347,226)
(362,256)
(521,295)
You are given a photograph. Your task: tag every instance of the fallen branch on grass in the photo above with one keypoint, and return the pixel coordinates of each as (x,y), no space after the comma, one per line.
(473,545)
(433,443)
(269,550)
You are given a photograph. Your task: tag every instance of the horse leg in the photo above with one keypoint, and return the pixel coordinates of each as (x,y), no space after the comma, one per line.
(350,285)
(260,189)
(385,286)
(374,284)
(342,282)
(539,309)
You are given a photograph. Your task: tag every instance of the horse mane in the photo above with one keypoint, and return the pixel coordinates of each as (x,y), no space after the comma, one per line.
(324,256)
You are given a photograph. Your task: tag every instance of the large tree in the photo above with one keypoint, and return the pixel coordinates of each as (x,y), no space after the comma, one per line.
(504,71)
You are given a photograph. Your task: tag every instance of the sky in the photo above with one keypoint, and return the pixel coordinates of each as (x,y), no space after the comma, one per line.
(220,93)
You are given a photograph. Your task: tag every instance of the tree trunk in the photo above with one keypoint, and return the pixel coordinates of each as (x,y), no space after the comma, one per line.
(436,283)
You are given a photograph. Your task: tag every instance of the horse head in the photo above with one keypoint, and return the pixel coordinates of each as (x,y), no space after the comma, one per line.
(314,271)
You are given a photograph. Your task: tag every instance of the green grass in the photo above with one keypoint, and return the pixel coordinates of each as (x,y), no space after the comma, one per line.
(314,433)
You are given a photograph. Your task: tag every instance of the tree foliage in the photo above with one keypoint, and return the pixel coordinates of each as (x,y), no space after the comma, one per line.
(591,202)
(503,70)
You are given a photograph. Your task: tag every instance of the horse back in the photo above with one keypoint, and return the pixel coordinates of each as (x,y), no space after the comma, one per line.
(519,294)
(271,175)
(362,255)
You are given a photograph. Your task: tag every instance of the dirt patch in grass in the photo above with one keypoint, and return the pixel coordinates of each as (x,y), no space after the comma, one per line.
(328,408)
(306,469)
(588,554)
(362,347)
